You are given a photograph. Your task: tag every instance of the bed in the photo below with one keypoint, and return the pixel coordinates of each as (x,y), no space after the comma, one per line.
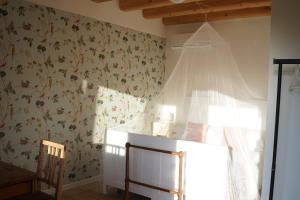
(205,166)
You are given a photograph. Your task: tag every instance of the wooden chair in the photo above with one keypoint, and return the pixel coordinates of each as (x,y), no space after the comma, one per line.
(47,171)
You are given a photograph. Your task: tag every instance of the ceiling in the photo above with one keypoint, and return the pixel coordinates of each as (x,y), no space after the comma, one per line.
(191,11)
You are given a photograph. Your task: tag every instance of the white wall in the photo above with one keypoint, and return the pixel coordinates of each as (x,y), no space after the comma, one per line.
(285,43)
(108,12)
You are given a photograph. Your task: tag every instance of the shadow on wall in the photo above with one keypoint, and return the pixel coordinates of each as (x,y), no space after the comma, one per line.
(67,78)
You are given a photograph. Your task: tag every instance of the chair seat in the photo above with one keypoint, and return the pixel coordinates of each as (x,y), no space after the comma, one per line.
(35,196)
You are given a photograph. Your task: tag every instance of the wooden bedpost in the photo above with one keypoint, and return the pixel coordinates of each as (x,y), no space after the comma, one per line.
(180,191)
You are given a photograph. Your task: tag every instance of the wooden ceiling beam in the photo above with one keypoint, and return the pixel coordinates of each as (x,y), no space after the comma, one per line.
(216,16)
(100,1)
(127,5)
(202,7)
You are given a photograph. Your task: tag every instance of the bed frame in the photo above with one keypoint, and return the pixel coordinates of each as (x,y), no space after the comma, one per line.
(180,155)
(204,167)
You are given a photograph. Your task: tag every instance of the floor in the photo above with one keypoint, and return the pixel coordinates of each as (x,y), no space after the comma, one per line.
(92,192)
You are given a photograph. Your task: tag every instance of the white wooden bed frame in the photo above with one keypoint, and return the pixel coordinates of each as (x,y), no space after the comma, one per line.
(205,166)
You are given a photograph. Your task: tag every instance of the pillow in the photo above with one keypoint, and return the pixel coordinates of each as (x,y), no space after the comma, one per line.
(195,132)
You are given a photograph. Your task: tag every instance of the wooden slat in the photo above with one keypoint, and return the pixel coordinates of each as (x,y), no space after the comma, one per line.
(47,169)
(202,7)
(174,153)
(127,5)
(52,176)
(224,15)
(50,164)
(173,192)
(56,145)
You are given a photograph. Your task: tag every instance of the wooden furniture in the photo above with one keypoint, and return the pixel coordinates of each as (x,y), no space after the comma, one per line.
(15,181)
(49,171)
(180,155)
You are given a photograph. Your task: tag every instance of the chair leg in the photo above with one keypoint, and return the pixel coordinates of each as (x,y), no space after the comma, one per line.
(33,186)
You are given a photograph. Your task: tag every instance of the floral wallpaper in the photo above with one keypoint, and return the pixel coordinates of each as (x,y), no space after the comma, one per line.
(68,78)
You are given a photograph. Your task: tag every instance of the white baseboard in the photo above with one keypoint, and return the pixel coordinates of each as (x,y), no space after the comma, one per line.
(82,182)
(75,184)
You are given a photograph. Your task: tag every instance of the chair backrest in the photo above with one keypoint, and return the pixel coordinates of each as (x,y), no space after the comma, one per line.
(50,168)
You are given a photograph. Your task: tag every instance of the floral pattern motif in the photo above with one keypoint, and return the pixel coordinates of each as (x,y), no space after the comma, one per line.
(68,78)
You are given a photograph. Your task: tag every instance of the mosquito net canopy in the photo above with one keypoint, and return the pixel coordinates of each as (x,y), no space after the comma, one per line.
(206,100)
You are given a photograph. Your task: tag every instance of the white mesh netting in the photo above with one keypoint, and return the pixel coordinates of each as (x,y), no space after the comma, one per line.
(206,100)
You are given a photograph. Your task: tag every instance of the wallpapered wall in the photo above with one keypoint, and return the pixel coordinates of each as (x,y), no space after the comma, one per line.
(67,78)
